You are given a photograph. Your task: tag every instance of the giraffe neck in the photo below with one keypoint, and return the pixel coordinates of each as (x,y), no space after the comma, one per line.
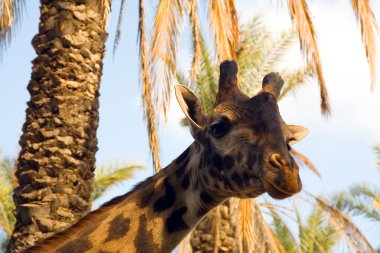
(154,217)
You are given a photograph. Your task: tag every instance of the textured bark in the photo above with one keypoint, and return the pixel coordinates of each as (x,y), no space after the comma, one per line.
(57,158)
(216,232)
(221,231)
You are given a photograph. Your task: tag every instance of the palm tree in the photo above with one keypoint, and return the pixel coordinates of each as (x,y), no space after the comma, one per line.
(55,166)
(105,176)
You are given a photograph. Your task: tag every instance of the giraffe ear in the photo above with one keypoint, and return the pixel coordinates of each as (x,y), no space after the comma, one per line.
(191,107)
(298,133)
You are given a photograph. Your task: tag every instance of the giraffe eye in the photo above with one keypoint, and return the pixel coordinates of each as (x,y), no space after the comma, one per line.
(219,129)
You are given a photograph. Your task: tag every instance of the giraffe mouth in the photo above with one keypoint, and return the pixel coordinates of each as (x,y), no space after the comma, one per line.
(275,191)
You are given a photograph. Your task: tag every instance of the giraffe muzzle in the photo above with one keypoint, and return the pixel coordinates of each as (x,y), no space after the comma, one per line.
(281,180)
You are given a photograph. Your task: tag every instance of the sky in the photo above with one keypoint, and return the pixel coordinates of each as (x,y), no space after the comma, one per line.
(340,146)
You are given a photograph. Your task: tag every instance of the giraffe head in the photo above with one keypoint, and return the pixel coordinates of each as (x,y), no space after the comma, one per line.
(244,142)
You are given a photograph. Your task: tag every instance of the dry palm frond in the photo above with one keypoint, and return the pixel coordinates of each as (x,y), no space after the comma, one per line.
(197,39)
(253,231)
(105,8)
(233,22)
(149,110)
(277,242)
(306,161)
(217,224)
(245,227)
(184,246)
(279,209)
(300,15)
(107,176)
(116,41)
(224,26)
(344,226)
(10,13)
(369,29)
(167,24)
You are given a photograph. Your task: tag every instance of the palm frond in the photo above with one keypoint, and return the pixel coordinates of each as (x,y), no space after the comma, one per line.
(301,16)
(272,50)
(233,22)
(167,23)
(306,161)
(149,110)
(260,237)
(224,26)
(105,8)
(253,39)
(283,233)
(295,78)
(7,181)
(205,85)
(369,28)
(344,227)
(116,41)
(185,246)
(307,233)
(197,38)
(359,200)
(324,237)
(108,175)
(216,231)
(181,78)
(10,14)
(245,226)
(377,151)
(6,224)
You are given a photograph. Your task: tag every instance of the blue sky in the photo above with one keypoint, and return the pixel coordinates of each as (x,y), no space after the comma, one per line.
(340,146)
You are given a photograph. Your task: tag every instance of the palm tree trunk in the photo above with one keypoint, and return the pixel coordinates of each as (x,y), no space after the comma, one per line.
(57,158)
(216,232)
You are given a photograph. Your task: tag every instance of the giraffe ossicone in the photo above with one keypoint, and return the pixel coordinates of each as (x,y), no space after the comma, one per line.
(241,149)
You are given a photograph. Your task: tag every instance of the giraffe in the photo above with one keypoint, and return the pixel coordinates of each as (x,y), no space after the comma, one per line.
(241,149)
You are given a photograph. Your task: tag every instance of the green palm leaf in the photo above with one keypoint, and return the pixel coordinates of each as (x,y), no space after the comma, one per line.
(283,232)
(106,176)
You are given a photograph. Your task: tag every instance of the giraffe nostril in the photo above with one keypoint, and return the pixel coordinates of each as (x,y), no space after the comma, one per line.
(276,161)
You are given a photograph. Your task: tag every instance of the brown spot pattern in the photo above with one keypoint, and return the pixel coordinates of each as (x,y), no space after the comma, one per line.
(144,242)
(118,228)
(175,222)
